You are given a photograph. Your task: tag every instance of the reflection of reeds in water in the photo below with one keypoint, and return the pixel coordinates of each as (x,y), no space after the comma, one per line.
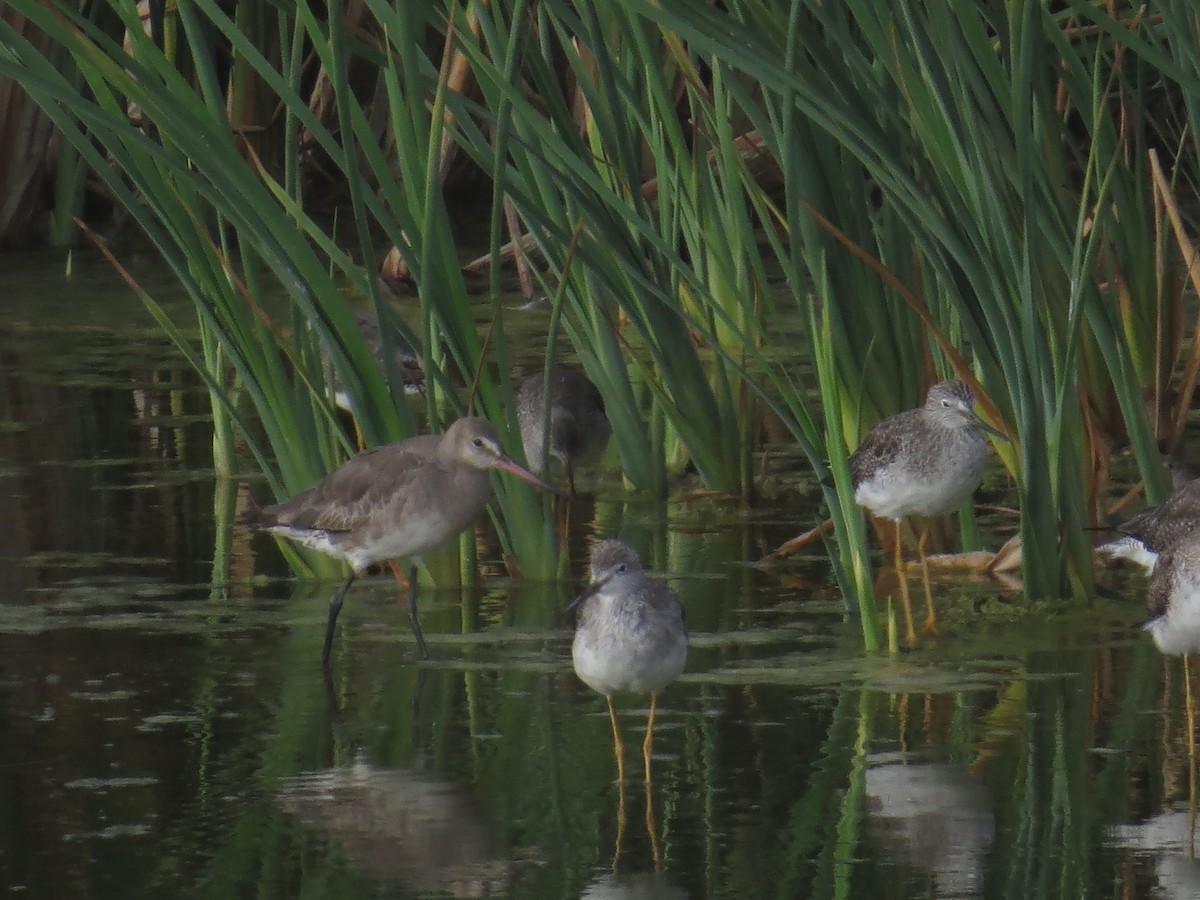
(402,825)
(936,816)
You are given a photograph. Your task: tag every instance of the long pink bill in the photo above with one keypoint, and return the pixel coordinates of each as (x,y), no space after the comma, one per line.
(503,462)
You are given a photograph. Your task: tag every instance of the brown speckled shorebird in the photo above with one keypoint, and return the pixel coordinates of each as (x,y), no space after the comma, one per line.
(1149,532)
(1173,607)
(630,636)
(576,423)
(1173,596)
(407,363)
(922,462)
(399,500)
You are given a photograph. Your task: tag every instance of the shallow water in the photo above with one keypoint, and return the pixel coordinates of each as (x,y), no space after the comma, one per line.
(165,736)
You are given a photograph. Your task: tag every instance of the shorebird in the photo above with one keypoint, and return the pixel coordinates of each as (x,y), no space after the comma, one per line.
(1181,471)
(399,500)
(630,636)
(922,462)
(407,362)
(1173,607)
(1173,596)
(1145,535)
(575,422)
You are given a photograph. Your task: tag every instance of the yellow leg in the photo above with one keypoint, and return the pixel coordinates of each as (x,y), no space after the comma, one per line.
(619,750)
(930,626)
(1190,724)
(648,743)
(901,577)
(652,830)
(620,839)
(618,747)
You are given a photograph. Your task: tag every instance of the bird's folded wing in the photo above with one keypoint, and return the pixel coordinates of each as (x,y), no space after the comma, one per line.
(351,493)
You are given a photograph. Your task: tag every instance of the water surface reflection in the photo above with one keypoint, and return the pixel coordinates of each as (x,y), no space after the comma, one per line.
(167,734)
(401,825)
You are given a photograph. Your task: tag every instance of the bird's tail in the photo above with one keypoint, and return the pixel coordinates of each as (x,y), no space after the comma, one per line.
(252,515)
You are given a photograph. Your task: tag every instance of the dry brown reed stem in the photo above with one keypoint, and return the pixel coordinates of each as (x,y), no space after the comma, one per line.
(1187,251)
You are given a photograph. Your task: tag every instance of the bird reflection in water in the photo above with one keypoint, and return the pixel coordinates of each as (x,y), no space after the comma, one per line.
(641,886)
(1169,838)
(651,831)
(938,817)
(402,825)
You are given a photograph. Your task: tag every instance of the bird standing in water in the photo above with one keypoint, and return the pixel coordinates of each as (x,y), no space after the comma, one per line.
(922,462)
(1146,534)
(575,422)
(1173,606)
(630,636)
(407,362)
(399,500)
(1173,596)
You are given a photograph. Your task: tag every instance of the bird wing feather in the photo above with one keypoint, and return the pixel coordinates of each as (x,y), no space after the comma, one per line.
(345,499)
(663,598)
(1158,589)
(880,447)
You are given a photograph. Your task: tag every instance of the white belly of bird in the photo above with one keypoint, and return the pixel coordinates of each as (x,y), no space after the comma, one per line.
(895,495)
(1177,633)
(1178,629)
(615,658)
(409,538)
(621,669)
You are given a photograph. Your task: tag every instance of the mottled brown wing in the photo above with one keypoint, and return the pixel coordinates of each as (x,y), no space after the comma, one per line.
(881,446)
(1136,524)
(1184,502)
(1158,589)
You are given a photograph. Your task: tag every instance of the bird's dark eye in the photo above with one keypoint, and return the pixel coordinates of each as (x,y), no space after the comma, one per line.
(621,567)
(945,404)
(478,442)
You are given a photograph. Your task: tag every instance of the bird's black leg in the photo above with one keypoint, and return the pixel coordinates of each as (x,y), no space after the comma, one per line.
(412,614)
(335,607)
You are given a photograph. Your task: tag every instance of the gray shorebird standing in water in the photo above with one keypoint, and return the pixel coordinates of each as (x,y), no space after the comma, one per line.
(630,636)
(922,462)
(376,337)
(577,425)
(399,500)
